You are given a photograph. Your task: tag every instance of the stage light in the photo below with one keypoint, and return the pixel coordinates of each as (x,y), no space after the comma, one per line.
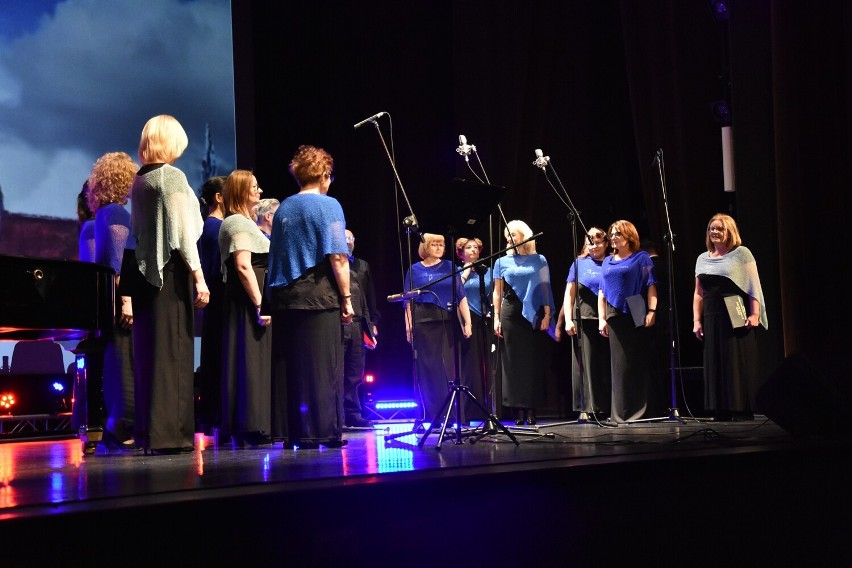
(395,404)
(369,379)
(722,113)
(719,9)
(7,401)
(396,409)
(58,387)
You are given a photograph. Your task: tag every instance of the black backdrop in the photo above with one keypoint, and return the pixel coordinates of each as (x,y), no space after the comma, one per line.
(599,86)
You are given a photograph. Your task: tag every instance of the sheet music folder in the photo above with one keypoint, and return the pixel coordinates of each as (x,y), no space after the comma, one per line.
(736,311)
(460,208)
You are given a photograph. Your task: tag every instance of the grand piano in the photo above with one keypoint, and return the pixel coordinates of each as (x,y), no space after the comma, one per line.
(63,300)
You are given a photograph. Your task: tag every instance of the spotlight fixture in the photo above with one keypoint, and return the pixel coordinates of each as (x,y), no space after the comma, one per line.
(7,401)
(722,113)
(719,9)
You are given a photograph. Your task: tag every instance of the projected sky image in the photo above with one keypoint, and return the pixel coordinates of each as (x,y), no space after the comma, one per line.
(79,78)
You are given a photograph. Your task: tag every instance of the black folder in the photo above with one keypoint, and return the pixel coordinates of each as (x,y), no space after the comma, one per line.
(736,311)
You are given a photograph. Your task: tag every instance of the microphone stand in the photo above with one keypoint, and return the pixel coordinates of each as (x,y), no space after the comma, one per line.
(410,223)
(543,162)
(673,416)
(465,149)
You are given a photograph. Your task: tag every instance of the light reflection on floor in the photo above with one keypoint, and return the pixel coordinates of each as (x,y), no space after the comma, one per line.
(394,458)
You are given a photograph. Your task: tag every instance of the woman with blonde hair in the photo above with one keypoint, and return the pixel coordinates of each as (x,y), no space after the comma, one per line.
(727,270)
(429,323)
(166,222)
(523,310)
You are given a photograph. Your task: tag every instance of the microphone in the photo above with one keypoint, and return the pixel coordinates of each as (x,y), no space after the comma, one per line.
(371,119)
(404,296)
(465,148)
(541,160)
(658,156)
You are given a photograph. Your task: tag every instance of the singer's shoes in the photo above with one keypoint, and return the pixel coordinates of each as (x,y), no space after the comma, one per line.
(112,443)
(519,417)
(315,444)
(304,445)
(170,451)
(356,421)
(253,439)
(531,416)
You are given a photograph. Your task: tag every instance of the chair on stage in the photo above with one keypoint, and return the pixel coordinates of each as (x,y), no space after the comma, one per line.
(40,356)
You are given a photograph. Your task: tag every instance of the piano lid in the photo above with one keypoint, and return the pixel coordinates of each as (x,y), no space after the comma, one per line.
(56,299)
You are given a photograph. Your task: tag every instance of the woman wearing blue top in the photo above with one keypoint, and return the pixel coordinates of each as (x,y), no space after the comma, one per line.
(475,366)
(308,284)
(628,274)
(428,324)
(210,362)
(109,187)
(730,355)
(523,307)
(590,365)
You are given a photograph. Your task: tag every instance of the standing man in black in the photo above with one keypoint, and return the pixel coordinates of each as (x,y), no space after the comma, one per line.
(366,320)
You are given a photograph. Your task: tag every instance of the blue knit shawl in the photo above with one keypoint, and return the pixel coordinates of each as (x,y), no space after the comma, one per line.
(628,277)
(306,228)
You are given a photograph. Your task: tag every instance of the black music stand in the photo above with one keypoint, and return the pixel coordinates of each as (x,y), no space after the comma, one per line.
(460,208)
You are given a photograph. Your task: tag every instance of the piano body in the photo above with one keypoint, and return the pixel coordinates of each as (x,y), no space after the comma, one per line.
(63,300)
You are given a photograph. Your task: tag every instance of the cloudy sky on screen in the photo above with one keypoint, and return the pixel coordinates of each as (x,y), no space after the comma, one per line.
(79,78)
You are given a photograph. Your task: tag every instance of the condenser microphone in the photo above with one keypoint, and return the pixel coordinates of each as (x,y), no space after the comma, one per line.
(541,160)
(371,119)
(404,296)
(464,148)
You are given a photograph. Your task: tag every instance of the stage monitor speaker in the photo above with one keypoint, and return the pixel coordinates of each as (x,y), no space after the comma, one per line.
(803,401)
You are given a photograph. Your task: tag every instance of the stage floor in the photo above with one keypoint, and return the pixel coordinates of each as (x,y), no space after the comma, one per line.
(569,488)
(55,475)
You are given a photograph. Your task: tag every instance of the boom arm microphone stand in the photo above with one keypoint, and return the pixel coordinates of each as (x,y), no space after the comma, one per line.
(541,161)
(465,149)
(673,416)
(409,222)
(489,426)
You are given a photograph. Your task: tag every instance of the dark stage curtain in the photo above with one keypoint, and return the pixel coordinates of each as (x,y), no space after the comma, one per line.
(599,87)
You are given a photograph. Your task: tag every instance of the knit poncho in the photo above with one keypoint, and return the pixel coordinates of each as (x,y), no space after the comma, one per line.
(739,266)
(306,228)
(165,216)
(238,232)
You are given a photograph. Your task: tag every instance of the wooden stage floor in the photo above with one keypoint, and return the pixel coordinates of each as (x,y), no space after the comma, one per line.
(568,491)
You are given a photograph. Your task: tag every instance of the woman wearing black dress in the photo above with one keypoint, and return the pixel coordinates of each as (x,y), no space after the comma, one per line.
(246,350)
(523,307)
(166,221)
(627,304)
(591,376)
(727,269)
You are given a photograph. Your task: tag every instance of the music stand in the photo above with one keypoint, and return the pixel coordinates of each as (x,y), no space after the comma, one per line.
(461,207)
